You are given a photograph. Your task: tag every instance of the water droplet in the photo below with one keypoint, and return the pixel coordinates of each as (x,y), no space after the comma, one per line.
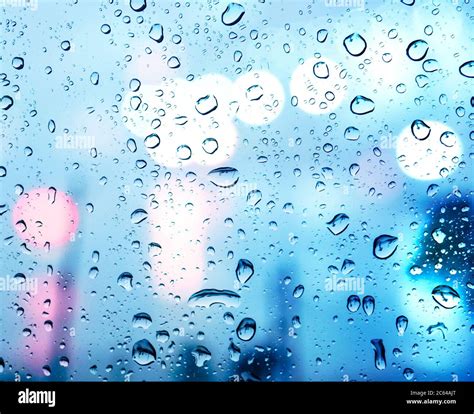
(233,14)
(138,216)
(143,352)
(154,249)
(408,373)
(125,281)
(401,324)
(432,190)
(156,33)
(467,69)
(6,102)
(321,70)
(448,139)
(224,177)
(385,246)
(352,133)
(51,126)
(208,297)
(152,141)
(105,29)
(353,303)
(138,5)
(162,336)
(206,104)
(446,296)
(134,84)
(183,152)
(379,350)
(234,352)
(131,145)
(173,62)
(66,45)
(355,44)
(201,354)
(19,278)
(93,272)
(298,291)
(417,50)
(244,270)
(254,197)
(368,304)
(347,266)
(210,145)
(361,105)
(438,327)
(438,235)
(141,320)
(254,93)
(321,35)
(94,78)
(18,63)
(246,329)
(237,56)
(354,169)
(135,102)
(338,223)
(420,129)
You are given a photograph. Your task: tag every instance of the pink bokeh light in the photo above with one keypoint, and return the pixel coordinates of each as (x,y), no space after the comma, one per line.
(45,216)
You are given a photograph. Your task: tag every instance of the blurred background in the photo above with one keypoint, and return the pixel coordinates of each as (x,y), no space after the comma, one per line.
(251,191)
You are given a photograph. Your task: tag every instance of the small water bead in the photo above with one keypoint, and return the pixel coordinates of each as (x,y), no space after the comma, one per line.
(352,133)
(361,105)
(353,303)
(208,297)
(125,281)
(210,145)
(246,329)
(401,324)
(184,152)
(384,246)
(379,351)
(355,44)
(232,14)
(446,296)
(105,29)
(18,63)
(156,33)
(417,50)
(6,102)
(201,355)
(94,78)
(322,35)
(338,223)
(138,5)
(467,69)
(244,270)
(143,352)
(224,177)
(173,62)
(139,215)
(420,129)
(368,305)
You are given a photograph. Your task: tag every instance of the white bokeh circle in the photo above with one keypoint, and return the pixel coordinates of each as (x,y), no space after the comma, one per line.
(428,159)
(259,97)
(317,86)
